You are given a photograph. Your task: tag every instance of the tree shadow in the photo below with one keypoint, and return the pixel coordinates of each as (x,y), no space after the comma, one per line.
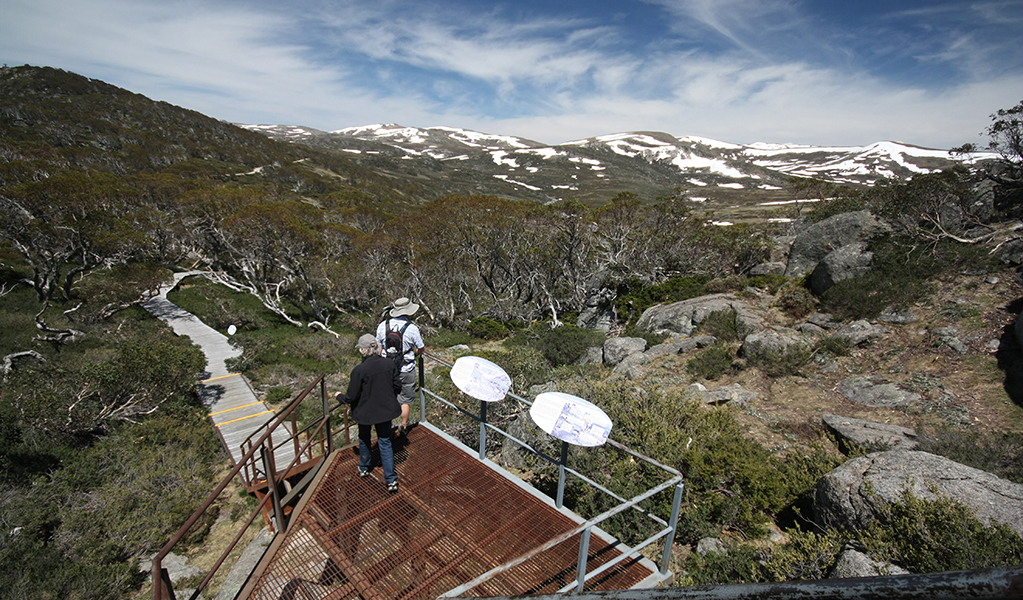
(1010,356)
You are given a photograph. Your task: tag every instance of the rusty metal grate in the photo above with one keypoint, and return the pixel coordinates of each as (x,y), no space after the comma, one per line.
(453,519)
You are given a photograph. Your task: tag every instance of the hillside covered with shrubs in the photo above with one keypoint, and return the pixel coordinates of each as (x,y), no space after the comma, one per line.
(104,194)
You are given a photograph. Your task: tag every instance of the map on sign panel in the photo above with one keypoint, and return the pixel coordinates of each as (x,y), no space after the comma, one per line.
(480,378)
(571,419)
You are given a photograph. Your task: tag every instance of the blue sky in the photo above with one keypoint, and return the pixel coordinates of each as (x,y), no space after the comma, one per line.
(742,71)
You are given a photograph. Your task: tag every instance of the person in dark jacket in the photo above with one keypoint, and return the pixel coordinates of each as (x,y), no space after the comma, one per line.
(372,393)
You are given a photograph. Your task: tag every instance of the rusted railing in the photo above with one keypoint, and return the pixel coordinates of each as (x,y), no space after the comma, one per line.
(317,436)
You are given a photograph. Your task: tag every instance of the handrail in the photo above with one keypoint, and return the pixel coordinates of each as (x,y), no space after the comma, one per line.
(668,532)
(162,588)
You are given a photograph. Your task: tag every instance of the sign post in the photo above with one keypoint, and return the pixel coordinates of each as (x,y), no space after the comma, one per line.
(483,380)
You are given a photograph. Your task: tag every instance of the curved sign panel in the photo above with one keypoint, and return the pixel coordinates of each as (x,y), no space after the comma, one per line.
(480,378)
(571,419)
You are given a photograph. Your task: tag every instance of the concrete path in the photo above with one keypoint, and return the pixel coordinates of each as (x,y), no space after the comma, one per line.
(233,406)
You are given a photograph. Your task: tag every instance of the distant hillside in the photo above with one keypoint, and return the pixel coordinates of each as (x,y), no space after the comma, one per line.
(650,164)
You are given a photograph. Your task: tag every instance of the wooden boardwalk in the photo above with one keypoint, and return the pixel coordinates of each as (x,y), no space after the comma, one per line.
(233,407)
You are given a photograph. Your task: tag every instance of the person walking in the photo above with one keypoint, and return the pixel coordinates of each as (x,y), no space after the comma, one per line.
(372,393)
(402,342)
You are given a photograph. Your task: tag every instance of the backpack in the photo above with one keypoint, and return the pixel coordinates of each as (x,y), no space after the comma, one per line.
(394,343)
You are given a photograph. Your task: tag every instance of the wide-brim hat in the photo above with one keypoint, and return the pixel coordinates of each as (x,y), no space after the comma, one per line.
(367,340)
(403,307)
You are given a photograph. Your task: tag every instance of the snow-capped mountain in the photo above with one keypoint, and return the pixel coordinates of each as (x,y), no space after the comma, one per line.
(595,169)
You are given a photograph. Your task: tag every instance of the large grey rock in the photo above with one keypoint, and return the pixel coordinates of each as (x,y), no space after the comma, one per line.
(617,348)
(628,365)
(513,455)
(854,494)
(874,391)
(177,568)
(853,563)
(773,343)
(841,264)
(860,332)
(820,239)
(871,434)
(592,356)
(682,318)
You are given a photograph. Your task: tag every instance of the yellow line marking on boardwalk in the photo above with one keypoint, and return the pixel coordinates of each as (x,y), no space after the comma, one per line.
(221,377)
(243,418)
(220,412)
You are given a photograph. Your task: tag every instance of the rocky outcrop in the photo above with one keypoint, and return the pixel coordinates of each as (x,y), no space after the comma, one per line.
(854,494)
(598,311)
(617,348)
(841,264)
(820,239)
(871,434)
(874,391)
(682,318)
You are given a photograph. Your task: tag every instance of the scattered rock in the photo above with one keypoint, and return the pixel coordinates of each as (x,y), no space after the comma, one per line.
(617,348)
(848,261)
(872,391)
(628,365)
(824,321)
(773,343)
(459,348)
(897,316)
(852,495)
(733,394)
(1011,253)
(853,563)
(239,574)
(860,332)
(708,544)
(870,434)
(820,239)
(949,337)
(768,268)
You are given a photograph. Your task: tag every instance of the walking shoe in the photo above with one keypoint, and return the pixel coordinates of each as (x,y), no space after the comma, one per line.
(402,429)
(363,473)
(392,487)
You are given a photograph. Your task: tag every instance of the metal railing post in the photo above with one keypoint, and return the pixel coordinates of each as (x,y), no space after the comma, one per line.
(326,416)
(271,486)
(584,551)
(483,430)
(561,474)
(676,505)
(422,386)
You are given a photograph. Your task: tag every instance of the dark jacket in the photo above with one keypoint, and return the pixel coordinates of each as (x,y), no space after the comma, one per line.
(372,390)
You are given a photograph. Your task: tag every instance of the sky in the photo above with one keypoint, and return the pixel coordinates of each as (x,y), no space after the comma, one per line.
(834,72)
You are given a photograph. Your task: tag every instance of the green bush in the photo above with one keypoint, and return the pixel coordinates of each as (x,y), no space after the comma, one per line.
(712,362)
(633,296)
(797,301)
(277,393)
(565,345)
(722,324)
(486,328)
(998,452)
(835,206)
(791,361)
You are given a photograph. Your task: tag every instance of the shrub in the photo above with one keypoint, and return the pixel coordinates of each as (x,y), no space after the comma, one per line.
(797,301)
(487,329)
(780,364)
(996,452)
(835,206)
(565,345)
(277,393)
(633,296)
(722,324)
(712,362)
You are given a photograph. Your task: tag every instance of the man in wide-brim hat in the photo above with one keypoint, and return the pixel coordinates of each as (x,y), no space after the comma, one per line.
(406,342)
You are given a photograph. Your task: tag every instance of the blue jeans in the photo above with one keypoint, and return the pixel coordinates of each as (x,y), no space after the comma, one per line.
(383,443)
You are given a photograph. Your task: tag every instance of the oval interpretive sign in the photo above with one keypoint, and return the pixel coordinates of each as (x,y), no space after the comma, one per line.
(480,378)
(231,330)
(571,419)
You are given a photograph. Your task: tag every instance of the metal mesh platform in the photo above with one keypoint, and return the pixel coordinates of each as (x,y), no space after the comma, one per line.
(453,519)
